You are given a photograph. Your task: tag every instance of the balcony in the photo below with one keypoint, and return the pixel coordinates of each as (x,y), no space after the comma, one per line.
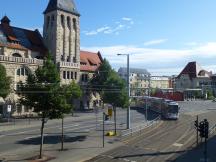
(20,60)
(69,65)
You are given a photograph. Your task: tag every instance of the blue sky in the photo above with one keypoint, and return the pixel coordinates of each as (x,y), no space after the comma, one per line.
(161,35)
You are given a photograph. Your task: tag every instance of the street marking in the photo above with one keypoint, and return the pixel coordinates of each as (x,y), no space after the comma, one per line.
(178,144)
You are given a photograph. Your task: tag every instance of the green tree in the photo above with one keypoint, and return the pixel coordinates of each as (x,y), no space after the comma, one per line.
(5,82)
(43,92)
(65,99)
(115,93)
(98,83)
(111,87)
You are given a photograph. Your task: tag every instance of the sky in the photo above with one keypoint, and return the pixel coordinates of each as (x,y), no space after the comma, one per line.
(161,36)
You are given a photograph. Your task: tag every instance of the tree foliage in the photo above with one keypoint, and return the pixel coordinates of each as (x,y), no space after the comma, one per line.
(116,91)
(43,92)
(5,82)
(41,89)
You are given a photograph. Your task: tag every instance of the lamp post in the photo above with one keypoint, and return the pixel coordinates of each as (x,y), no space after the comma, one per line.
(128,86)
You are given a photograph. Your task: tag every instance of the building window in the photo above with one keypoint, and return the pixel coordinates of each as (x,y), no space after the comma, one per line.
(64,74)
(48,22)
(18,72)
(22,71)
(16,55)
(74,25)
(72,77)
(68,22)
(52,20)
(68,75)
(62,20)
(75,76)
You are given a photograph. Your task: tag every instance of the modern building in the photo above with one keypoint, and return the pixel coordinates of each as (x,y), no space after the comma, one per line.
(22,51)
(139,80)
(193,78)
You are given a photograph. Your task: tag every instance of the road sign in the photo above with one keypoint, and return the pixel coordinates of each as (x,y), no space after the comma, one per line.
(9,108)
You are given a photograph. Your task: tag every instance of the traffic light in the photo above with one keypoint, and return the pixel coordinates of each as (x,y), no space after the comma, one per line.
(206,128)
(202,129)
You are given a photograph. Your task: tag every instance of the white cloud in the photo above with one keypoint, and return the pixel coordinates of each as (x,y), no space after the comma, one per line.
(170,61)
(127,19)
(124,23)
(154,42)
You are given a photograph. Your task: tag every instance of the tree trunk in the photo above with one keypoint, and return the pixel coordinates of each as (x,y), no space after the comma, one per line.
(115,119)
(42,137)
(62,136)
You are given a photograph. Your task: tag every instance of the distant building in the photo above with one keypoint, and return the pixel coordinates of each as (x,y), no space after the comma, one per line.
(161,82)
(139,80)
(193,78)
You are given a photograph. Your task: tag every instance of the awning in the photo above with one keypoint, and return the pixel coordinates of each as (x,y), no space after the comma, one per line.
(2,100)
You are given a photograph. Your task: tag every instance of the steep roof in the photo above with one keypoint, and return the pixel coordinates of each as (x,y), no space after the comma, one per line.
(90,61)
(20,38)
(193,70)
(64,5)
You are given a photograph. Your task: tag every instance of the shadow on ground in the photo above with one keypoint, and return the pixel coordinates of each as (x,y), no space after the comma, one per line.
(52,140)
(196,154)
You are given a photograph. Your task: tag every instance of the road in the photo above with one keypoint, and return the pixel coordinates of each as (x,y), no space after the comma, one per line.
(166,142)
(81,131)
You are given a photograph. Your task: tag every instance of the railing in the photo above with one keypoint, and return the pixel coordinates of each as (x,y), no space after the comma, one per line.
(69,65)
(21,60)
(212,129)
(140,127)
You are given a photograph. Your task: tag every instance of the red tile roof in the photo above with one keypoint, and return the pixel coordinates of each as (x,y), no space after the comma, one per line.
(14,46)
(90,61)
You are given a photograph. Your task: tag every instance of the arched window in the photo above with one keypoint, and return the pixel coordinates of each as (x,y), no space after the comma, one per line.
(69,22)
(74,24)
(62,20)
(48,21)
(16,55)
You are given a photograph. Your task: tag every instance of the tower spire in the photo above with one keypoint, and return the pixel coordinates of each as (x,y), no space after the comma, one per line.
(63,5)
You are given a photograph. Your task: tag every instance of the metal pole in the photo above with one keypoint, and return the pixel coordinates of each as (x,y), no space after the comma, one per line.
(197,138)
(205,150)
(103,128)
(128,82)
(146,106)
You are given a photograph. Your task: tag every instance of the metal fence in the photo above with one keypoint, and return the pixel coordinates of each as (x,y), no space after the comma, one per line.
(139,128)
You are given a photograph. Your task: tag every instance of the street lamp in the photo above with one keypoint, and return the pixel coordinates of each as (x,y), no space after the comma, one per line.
(128,86)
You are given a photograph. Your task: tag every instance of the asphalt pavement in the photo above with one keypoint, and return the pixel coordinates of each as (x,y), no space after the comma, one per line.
(81,132)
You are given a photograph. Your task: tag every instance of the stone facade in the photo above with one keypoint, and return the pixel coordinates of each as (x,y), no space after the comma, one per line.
(22,52)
